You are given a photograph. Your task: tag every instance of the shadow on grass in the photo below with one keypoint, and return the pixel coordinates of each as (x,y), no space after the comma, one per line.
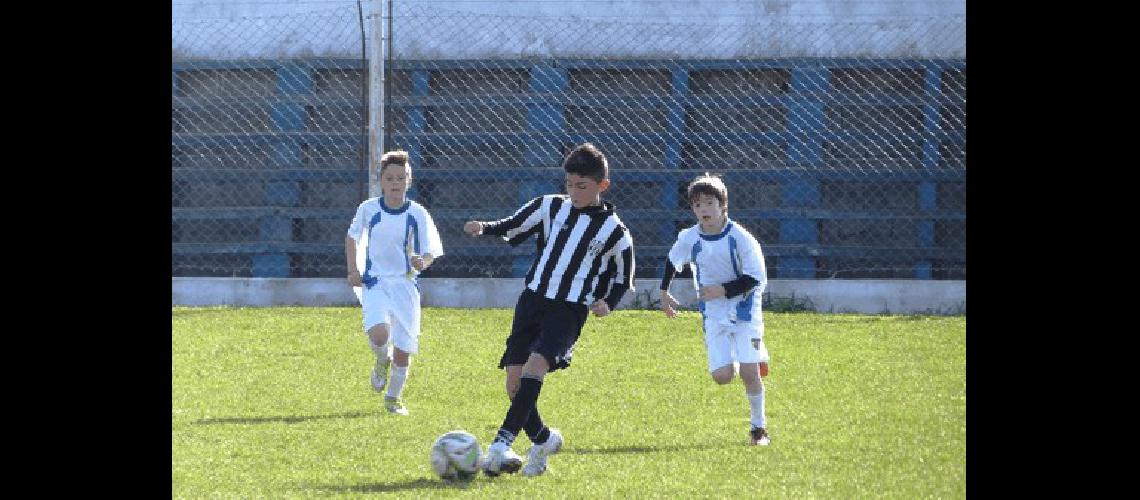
(438,484)
(418,484)
(617,450)
(177,313)
(286,419)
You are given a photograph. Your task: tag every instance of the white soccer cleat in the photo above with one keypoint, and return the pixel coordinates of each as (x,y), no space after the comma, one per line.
(395,405)
(536,457)
(500,458)
(759,437)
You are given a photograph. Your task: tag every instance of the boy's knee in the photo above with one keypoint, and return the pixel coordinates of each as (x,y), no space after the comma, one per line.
(722,375)
(378,333)
(536,366)
(400,357)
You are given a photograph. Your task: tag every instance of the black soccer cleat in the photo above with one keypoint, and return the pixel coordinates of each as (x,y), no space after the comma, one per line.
(509,465)
(501,455)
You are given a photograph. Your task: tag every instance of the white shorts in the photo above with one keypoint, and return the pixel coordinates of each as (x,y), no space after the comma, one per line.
(394,302)
(734,343)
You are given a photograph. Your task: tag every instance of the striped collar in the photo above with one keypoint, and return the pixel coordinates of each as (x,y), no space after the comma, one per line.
(714,237)
(394,211)
(606,208)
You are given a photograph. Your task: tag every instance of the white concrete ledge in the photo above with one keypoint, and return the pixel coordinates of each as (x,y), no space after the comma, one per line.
(832,296)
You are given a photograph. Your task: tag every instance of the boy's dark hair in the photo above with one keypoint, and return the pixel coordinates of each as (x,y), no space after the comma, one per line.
(398,158)
(711,185)
(587,161)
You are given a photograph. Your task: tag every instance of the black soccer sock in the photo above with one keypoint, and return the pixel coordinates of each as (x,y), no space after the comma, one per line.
(535,429)
(522,405)
(504,436)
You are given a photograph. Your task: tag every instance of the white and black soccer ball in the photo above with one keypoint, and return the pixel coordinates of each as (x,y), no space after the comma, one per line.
(456,455)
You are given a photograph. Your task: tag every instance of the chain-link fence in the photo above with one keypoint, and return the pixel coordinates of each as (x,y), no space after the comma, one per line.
(267,145)
(842,165)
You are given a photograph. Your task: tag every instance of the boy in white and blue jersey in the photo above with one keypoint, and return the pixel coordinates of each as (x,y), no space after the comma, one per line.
(398,240)
(730,276)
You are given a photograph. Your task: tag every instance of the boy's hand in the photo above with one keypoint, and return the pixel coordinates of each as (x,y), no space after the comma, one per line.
(354,278)
(473,228)
(668,303)
(417,262)
(600,308)
(711,292)
(420,262)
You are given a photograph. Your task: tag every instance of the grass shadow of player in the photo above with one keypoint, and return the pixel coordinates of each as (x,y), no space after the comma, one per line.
(285,419)
(416,484)
(617,450)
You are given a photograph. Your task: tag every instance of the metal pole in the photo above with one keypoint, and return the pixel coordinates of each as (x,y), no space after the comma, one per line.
(376,80)
(389,67)
(363,157)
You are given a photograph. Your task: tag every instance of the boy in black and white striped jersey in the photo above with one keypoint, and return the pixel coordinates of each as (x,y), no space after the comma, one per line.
(584,262)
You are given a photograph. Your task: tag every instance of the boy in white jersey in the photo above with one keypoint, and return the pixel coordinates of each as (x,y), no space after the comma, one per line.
(730,276)
(398,240)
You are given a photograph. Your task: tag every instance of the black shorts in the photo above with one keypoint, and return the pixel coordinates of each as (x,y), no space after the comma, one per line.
(545,326)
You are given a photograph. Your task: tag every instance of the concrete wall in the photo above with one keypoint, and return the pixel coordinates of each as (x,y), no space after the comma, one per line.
(837,296)
(428,29)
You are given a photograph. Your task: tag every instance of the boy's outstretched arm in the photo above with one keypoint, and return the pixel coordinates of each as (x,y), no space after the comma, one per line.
(515,228)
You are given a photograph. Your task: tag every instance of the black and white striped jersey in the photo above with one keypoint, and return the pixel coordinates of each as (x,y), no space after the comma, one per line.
(583,254)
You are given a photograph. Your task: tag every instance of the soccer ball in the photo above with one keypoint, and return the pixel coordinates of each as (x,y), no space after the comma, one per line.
(456,455)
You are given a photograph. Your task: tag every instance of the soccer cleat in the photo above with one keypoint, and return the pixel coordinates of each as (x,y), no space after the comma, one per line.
(760,437)
(394,405)
(536,457)
(501,458)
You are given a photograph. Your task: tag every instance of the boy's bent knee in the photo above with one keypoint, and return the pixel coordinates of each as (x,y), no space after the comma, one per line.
(723,375)
(378,332)
(536,366)
(400,357)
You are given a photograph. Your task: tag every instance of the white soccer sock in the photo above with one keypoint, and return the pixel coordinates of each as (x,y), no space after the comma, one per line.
(396,382)
(381,352)
(756,401)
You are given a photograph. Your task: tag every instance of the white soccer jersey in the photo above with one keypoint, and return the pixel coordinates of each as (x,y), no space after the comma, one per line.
(391,236)
(718,259)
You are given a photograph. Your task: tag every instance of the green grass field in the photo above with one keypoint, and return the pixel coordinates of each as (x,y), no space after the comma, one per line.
(275,402)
